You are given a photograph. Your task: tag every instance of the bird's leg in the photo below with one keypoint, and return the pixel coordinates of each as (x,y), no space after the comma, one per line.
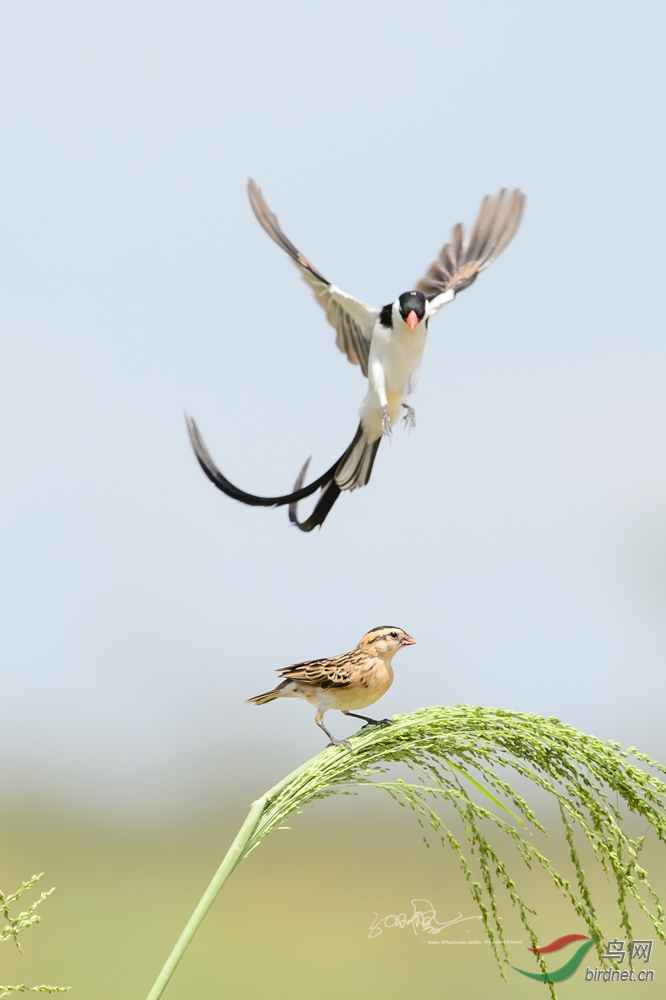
(378,382)
(409,417)
(334,741)
(369,722)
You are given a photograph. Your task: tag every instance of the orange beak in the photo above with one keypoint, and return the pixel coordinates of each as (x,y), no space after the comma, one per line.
(408,641)
(412,320)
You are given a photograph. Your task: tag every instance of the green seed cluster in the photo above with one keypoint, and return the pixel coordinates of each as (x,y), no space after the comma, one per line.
(590,779)
(14,926)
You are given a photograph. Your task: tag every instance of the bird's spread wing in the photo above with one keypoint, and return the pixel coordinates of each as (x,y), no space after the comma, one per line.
(461,260)
(352,320)
(334,673)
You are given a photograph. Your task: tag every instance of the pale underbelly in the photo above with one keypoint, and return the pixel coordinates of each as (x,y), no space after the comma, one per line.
(345,700)
(371,411)
(397,371)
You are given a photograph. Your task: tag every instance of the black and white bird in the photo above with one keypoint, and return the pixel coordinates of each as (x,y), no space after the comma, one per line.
(386,342)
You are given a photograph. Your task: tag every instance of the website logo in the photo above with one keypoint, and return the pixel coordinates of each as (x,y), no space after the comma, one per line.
(616,952)
(566,970)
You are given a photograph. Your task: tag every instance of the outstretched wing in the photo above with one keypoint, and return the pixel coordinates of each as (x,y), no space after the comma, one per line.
(352,320)
(334,673)
(461,260)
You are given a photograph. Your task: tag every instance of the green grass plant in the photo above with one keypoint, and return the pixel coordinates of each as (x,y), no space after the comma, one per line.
(455,756)
(16,925)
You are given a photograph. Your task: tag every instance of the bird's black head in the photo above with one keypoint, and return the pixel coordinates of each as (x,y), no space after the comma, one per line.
(412,307)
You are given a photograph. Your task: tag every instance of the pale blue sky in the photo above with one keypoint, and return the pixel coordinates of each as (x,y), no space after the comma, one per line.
(519,534)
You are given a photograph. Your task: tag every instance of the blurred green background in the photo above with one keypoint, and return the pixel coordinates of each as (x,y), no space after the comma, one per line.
(292,921)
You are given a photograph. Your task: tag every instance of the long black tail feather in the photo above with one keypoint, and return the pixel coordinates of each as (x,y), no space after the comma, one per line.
(362,459)
(218,479)
(329,494)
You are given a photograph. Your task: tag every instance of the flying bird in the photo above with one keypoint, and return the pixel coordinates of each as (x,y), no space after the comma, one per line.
(386,342)
(352,680)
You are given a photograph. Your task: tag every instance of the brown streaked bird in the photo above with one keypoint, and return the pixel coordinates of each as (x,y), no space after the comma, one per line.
(352,680)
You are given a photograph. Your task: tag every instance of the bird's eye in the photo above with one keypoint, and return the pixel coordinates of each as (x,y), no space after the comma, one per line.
(394,635)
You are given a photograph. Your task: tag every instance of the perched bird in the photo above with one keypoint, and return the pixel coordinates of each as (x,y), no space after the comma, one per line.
(386,342)
(352,680)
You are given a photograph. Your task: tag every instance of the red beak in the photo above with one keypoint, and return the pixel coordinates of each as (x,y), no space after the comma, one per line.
(408,641)
(412,320)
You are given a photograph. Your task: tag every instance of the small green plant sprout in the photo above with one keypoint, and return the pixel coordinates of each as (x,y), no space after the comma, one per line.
(456,756)
(15,925)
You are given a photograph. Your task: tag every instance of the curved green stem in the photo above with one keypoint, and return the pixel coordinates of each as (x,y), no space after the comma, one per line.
(235,854)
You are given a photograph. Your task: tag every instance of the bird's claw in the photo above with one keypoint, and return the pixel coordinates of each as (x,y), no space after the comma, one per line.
(378,722)
(339,743)
(387,429)
(409,418)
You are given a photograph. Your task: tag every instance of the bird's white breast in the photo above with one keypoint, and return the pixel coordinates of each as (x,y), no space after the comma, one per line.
(398,351)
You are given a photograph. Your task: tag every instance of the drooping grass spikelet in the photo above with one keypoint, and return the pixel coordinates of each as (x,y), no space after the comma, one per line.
(587,777)
(14,926)
(450,752)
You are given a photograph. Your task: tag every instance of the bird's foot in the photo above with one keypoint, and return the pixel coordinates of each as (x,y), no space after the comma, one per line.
(377,722)
(339,743)
(387,428)
(409,418)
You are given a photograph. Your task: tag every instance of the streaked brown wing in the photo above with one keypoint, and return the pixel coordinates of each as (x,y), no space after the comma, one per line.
(331,673)
(352,319)
(460,261)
